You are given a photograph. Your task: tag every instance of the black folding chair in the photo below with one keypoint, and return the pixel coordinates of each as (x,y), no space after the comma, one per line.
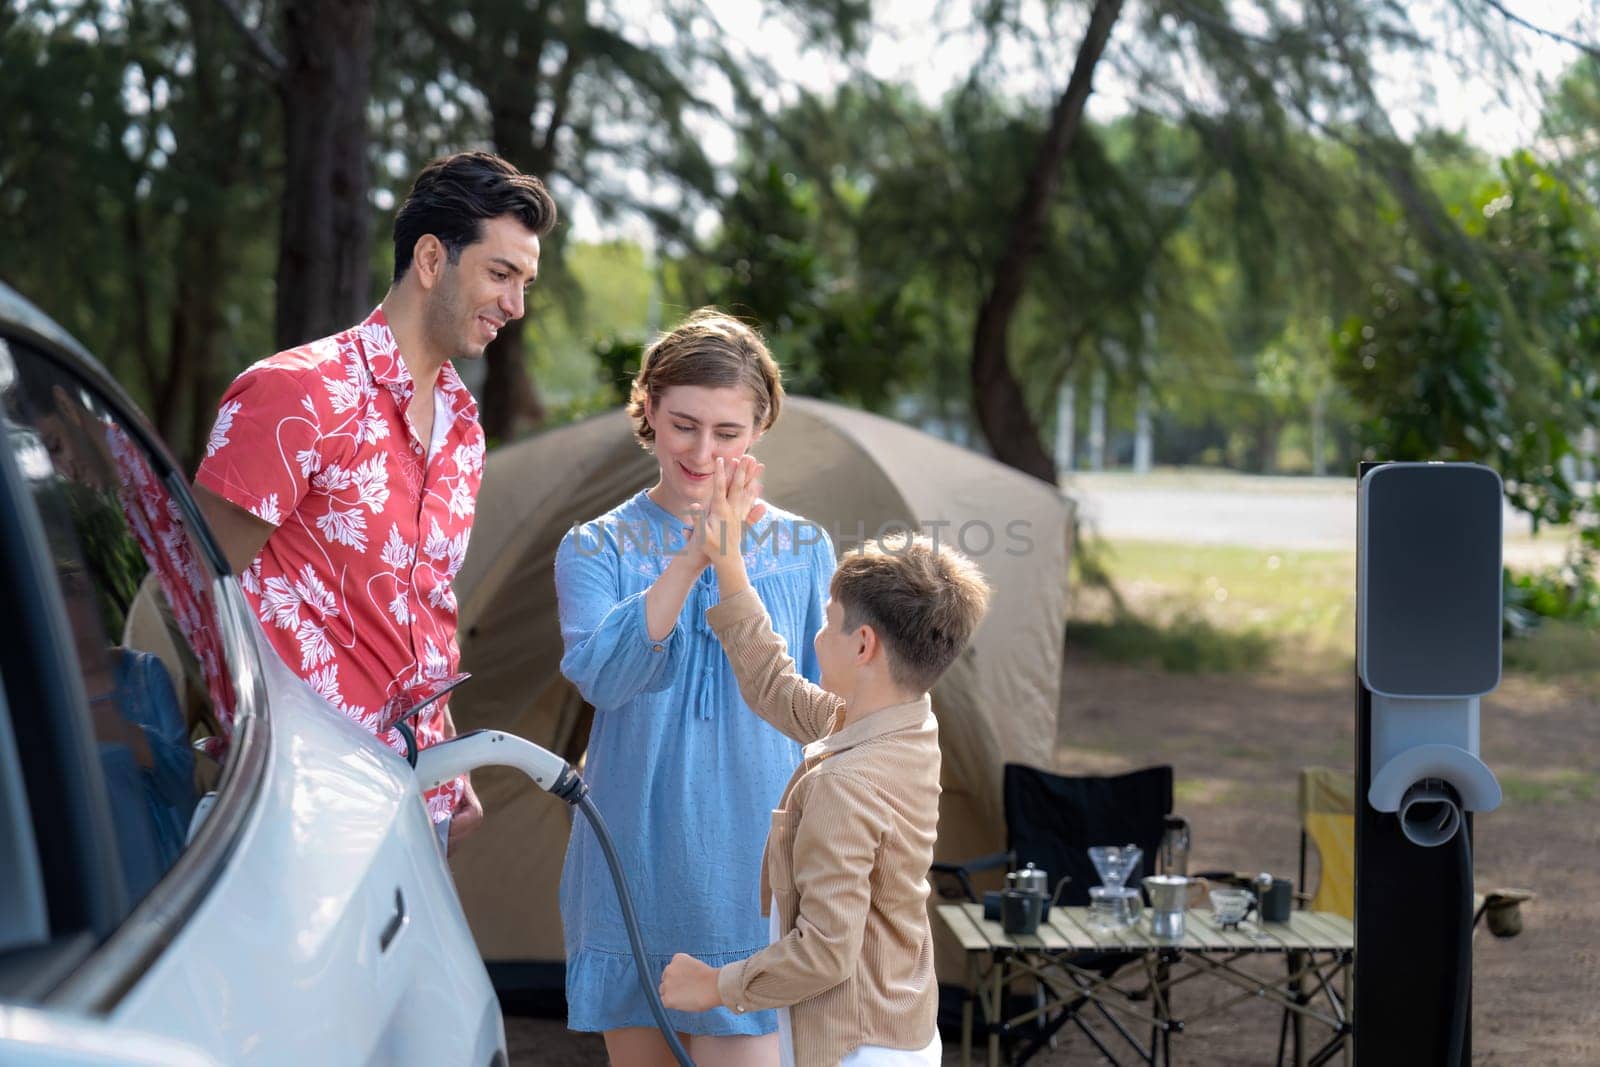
(1051,822)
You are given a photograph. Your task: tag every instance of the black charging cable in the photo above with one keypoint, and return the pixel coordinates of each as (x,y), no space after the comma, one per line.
(572,789)
(1461,1006)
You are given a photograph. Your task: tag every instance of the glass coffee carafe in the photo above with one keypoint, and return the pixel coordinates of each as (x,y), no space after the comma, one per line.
(1113,903)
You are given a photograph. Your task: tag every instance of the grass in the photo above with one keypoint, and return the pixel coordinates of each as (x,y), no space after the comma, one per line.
(1566,786)
(1184,644)
(1556,648)
(1216,607)
(1225,608)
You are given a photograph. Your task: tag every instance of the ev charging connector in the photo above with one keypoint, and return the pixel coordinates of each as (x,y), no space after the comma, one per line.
(1429,641)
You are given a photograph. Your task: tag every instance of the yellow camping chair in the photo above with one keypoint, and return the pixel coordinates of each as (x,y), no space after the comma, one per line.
(1328,824)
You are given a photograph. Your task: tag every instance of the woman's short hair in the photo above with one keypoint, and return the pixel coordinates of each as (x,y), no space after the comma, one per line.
(712,349)
(922,599)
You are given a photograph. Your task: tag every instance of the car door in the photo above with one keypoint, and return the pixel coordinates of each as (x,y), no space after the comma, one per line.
(203,850)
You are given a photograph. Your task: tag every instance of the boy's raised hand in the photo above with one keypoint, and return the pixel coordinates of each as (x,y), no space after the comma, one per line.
(735,503)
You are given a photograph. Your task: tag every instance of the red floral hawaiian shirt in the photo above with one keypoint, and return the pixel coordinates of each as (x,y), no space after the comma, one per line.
(354,585)
(152,515)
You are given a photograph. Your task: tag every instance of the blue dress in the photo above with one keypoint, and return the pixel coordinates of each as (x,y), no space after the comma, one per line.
(150,808)
(684,773)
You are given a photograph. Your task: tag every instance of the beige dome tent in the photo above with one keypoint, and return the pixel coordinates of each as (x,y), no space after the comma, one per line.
(852,473)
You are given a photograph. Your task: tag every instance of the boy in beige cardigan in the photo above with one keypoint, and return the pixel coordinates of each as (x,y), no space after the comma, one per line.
(846,863)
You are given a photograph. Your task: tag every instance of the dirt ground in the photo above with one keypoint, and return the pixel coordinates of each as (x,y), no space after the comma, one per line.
(1236,742)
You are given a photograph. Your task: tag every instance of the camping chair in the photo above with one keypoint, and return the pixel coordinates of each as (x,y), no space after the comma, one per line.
(1328,826)
(1051,822)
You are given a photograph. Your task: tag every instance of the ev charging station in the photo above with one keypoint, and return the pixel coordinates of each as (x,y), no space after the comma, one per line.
(1428,618)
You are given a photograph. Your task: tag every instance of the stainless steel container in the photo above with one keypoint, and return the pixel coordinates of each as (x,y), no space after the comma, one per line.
(1169,897)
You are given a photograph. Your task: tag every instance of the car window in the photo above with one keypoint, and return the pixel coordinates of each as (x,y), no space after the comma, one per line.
(140,607)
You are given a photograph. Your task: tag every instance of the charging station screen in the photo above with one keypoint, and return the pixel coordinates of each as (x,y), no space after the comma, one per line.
(1431,594)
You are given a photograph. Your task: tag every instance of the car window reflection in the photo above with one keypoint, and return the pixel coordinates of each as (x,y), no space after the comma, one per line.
(140,607)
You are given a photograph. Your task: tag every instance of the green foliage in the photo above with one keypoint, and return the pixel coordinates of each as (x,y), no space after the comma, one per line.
(619,361)
(1570,121)
(139,186)
(840,329)
(1569,591)
(610,298)
(1199,245)
(1497,366)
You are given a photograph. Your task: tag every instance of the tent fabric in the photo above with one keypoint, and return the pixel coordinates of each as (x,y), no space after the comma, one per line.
(854,474)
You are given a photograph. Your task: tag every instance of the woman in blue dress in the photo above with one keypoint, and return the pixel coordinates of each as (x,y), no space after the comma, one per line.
(684,773)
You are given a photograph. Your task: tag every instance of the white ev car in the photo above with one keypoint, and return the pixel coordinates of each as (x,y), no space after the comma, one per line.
(198,862)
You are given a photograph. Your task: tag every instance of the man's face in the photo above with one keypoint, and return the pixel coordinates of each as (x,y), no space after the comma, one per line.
(486,288)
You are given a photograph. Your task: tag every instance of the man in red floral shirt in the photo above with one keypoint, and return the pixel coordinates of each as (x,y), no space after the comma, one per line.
(341,476)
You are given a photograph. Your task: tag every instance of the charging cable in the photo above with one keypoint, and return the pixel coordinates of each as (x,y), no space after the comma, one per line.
(1430,815)
(482,748)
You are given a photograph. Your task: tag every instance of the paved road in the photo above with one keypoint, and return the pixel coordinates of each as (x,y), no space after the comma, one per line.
(1252,510)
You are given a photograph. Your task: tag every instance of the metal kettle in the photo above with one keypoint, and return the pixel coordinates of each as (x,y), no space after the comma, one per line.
(1029,879)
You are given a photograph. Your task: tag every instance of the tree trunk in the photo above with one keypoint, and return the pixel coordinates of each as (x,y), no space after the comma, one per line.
(325,239)
(510,405)
(211,151)
(186,402)
(1001,408)
(1267,443)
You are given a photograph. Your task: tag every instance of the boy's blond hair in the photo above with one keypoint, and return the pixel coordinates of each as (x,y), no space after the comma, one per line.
(923,600)
(713,349)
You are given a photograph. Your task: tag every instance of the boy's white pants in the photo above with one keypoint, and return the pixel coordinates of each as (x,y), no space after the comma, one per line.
(863,1056)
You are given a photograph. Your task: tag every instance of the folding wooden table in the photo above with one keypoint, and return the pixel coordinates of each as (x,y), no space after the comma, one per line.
(1070,967)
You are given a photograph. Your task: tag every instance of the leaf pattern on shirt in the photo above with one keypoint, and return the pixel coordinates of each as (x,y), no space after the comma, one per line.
(266,509)
(462,503)
(220,428)
(448,550)
(435,664)
(370,480)
(315,594)
(397,554)
(315,648)
(343,527)
(469,458)
(379,341)
(400,608)
(373,428)
(443,597)
(325,680)
(280,604)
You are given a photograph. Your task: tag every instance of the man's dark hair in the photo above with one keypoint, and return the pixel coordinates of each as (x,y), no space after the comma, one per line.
(453,195)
